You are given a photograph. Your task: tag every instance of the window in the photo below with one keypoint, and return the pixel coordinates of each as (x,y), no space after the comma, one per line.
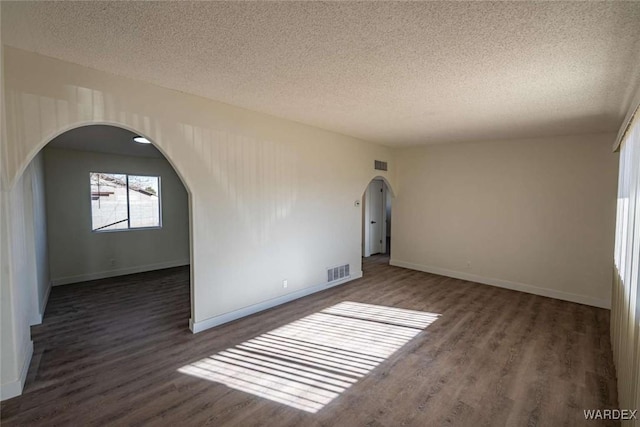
(124,202)
(625,303)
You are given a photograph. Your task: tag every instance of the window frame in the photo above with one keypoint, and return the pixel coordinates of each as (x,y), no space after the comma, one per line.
(128,221)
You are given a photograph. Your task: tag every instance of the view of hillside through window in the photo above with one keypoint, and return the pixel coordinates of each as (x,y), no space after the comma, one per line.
(122,202)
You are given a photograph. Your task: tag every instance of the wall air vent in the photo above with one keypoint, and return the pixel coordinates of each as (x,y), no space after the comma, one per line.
(337,273)
(380,165)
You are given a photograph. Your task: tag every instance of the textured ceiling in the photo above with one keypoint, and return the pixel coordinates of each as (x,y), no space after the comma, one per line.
(396,73)
(104,139)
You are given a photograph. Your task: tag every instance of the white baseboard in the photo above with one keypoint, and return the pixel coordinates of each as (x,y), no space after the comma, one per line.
(14,388)
(36,319)
(530,289)
(252,309)
(119,272)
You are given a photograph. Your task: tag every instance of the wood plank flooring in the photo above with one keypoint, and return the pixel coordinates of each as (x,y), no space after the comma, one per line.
(110,352)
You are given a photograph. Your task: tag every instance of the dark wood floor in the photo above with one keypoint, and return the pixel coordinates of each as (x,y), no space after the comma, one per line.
(110,353)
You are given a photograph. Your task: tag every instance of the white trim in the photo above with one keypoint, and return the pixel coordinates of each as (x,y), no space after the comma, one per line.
(14,388)
(530,289)
(37,319)
(45,300)
(252,309)
(121,272)
(384,218)
(366,245)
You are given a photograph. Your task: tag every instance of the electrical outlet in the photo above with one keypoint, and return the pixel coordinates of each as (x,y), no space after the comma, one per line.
(468,264)
(112,262)
(285,283)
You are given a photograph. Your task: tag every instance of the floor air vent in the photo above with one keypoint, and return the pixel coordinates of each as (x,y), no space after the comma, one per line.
(337,273)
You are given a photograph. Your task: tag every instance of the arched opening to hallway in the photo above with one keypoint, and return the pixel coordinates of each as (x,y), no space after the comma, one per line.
(376,219)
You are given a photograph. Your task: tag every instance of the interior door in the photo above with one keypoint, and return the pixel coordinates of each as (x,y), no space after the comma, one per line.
(376,206)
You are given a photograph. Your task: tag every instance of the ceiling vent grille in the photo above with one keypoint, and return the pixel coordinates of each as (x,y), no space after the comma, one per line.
(380,165)
(337,273)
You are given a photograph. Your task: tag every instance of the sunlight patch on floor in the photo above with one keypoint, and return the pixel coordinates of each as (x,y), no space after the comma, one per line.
(309,362)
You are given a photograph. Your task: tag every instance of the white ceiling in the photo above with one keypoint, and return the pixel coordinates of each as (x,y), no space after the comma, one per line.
(104,139)
(396,73)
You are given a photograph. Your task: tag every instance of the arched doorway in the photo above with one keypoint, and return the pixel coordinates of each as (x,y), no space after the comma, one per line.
(103,206)
(376,218)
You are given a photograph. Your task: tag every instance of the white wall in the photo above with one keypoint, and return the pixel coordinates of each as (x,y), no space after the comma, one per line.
(16,346)
(535,215)
(270,199)
(25,283)
(78,254)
